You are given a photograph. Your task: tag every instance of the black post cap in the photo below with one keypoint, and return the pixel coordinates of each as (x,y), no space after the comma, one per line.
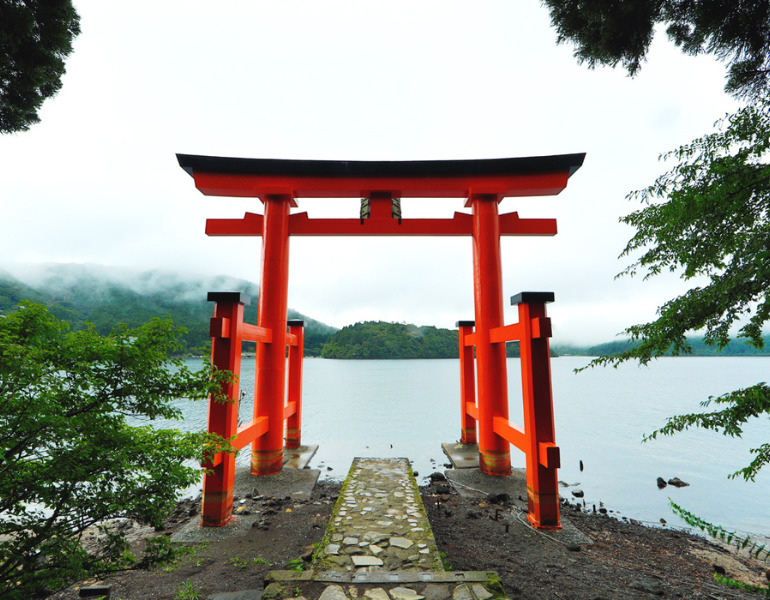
(295,323)
(465,323)
(532,297)
(229,297)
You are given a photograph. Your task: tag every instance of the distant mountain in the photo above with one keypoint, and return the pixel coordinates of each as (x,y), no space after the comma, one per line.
(107,297)
(699,348)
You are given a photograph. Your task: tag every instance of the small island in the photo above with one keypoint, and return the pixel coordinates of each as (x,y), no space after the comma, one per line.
(378,340)
(382,340)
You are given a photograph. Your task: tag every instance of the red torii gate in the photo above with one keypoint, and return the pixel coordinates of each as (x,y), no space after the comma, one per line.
(381,185)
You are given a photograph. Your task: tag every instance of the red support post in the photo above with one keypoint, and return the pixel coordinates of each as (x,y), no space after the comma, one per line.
(542,453)
(494,451)
(267,451)
(467,383)
(218,480)
(294,395)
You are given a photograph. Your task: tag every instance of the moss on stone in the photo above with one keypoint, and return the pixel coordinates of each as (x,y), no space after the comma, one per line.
(274,591)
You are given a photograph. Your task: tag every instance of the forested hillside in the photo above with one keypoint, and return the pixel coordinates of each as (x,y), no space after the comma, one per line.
(699,348)
(106,298)
(377,339)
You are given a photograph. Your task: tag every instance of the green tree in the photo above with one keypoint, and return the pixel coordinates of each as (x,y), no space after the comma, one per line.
(709,216)
(35,39)
(709,219)
(620,32)
(76,447)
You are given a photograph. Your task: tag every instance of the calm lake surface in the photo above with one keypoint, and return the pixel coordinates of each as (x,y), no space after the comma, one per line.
(409,407)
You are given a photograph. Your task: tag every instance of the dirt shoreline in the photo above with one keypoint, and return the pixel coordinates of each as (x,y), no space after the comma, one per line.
(623,561)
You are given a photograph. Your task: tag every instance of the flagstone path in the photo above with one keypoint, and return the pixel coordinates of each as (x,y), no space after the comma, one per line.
(379,546)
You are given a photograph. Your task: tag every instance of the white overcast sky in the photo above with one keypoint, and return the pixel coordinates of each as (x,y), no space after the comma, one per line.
(97,180)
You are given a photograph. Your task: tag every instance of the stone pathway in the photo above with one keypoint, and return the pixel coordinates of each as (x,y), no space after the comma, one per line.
(379,546)
(379,522)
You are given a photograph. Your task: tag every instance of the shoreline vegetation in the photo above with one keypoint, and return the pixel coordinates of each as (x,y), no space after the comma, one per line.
(103,297)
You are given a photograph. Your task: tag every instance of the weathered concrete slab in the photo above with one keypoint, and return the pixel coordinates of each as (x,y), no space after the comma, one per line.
(294,483)
(193,532)
(472,483)
(243,595)
(462,456)
(299,458)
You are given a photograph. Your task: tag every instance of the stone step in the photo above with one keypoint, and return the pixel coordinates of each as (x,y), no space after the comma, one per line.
(393,585)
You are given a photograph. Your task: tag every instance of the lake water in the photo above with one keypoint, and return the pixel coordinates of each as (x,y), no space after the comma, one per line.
(409,407)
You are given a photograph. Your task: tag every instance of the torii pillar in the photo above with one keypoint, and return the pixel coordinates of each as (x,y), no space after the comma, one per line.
(267,451)
(492,375)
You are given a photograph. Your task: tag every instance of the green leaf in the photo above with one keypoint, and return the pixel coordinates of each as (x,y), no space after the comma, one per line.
(708,219)
(77,449)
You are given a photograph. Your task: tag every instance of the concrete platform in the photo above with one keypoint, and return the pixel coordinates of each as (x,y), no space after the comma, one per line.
(462,456)
(299,458)
(294,483)
(242,595)
(472,483)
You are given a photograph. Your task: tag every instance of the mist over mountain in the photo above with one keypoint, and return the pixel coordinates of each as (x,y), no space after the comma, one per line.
(736,347)
(107,297)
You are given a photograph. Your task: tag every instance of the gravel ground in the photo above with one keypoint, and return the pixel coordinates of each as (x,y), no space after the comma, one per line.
(622,560)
